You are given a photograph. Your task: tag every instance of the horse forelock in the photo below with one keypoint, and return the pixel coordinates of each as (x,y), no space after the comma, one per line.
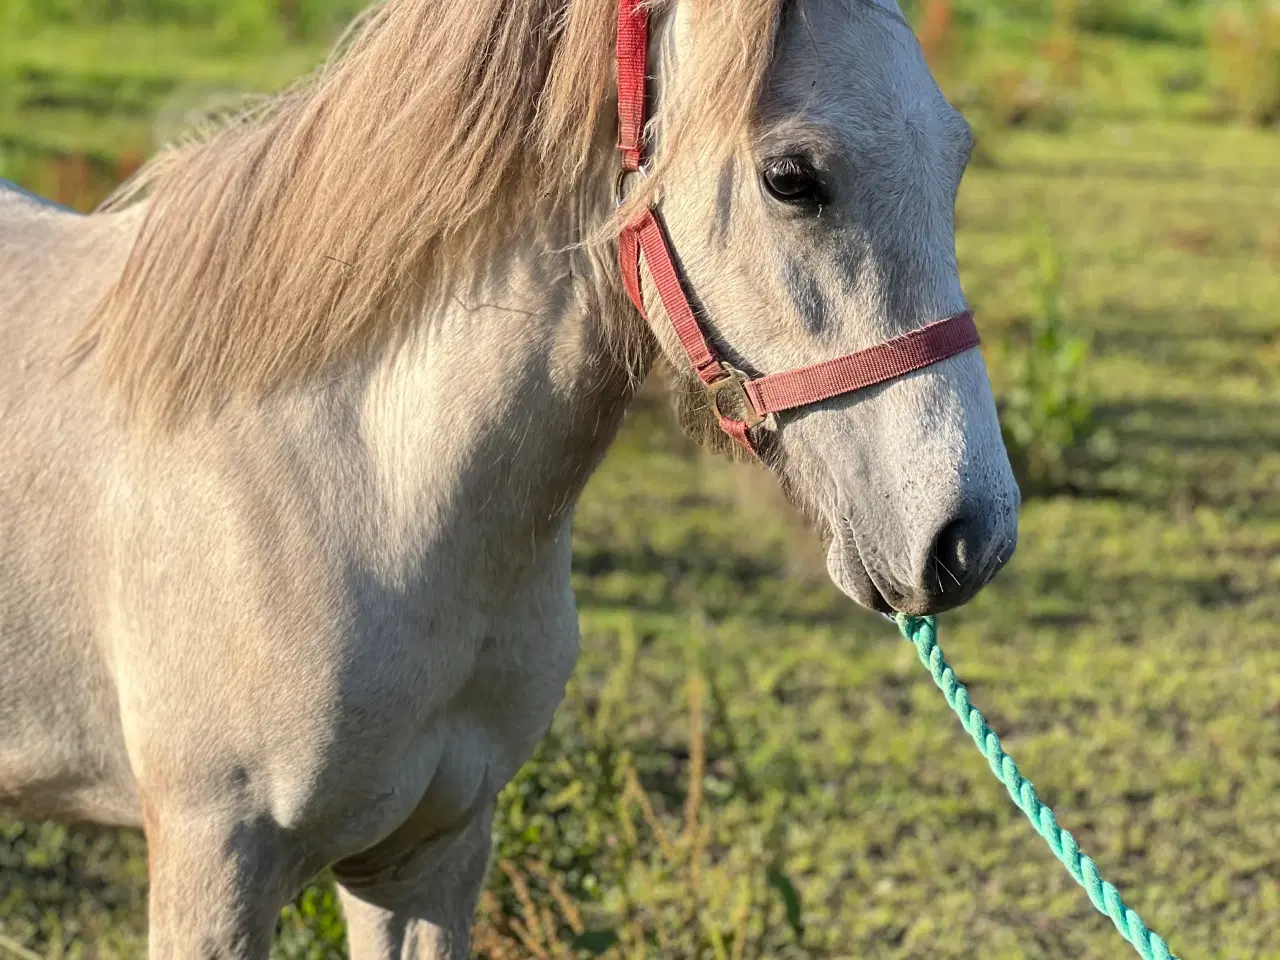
(310,227)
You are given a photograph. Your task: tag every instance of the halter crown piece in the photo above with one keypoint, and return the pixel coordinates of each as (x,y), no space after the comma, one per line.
(741,402)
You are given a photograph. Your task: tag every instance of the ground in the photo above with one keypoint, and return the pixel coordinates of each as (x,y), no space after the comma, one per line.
(1129,656)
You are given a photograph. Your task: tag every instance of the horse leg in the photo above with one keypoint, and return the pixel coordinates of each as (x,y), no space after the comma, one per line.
(420,905)
(218,883)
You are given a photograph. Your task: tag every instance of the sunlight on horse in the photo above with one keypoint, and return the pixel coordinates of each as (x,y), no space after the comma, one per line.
(291,433)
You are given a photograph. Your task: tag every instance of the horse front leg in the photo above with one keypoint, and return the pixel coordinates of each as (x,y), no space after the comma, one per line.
(418,904)
(219,879)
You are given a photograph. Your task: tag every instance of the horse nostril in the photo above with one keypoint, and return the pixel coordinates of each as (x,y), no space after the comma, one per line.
(952,557)
(961,558)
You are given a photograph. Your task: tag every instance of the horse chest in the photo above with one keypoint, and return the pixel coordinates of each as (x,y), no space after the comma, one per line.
(442,725)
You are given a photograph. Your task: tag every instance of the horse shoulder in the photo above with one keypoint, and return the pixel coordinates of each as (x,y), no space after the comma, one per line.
(61,749)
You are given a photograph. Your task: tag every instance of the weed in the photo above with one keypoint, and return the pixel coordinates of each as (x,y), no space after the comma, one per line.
(1146,20)
(1245,50)
(1061,51)
(672,891)
(1046,412)
(312,927)
(1013,97)
(1269,238)
(936,32)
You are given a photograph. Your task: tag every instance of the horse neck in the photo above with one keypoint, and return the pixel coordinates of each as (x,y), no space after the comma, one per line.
(490,416)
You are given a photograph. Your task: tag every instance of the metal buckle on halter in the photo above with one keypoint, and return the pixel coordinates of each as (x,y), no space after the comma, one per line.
(619,195)
(729,397)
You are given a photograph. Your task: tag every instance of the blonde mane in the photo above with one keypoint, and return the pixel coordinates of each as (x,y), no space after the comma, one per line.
(308,229)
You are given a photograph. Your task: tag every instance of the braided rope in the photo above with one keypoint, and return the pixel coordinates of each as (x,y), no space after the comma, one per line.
(923,632)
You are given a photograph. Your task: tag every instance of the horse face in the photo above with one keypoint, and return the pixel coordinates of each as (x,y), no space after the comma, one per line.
(828,230)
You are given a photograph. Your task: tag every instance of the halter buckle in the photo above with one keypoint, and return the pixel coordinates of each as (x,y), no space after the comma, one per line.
(730,400)
(620,183)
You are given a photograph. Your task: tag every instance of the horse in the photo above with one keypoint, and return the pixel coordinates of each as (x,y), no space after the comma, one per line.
(293,427)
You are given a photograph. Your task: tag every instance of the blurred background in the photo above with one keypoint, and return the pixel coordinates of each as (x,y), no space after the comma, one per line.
(746,766)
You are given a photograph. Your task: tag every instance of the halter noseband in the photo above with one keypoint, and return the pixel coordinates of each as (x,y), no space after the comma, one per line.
(741,402)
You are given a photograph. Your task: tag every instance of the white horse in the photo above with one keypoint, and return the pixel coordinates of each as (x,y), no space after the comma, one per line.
(292,434)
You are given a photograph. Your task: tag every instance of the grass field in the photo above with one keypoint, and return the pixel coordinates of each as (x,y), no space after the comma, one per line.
(748,766)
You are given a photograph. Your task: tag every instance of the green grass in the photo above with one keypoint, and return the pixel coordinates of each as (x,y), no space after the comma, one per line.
(1129,656)
(101,89)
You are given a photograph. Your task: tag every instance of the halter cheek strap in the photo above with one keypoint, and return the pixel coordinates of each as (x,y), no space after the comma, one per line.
(739,401)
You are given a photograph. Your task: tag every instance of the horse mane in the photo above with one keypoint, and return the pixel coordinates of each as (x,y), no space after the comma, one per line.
(307,228)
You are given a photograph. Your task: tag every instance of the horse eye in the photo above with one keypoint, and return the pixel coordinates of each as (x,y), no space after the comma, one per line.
(792,180)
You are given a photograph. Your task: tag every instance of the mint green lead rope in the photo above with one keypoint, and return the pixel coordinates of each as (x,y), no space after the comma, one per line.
(923,632)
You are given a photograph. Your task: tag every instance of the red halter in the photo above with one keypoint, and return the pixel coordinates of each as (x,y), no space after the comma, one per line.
(739,401)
